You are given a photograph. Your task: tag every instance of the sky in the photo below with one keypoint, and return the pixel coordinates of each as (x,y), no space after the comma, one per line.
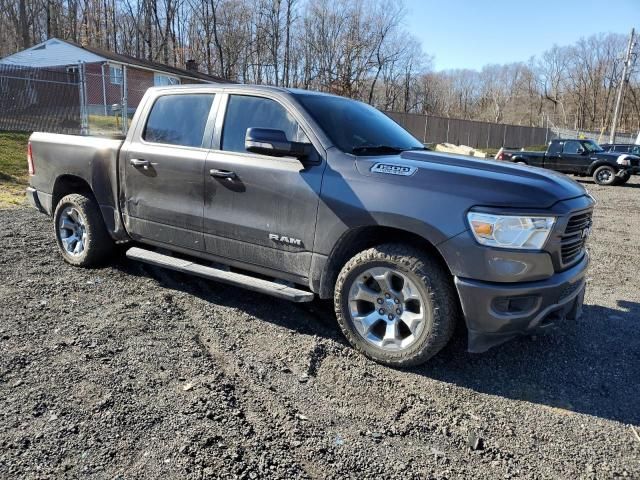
(473,33)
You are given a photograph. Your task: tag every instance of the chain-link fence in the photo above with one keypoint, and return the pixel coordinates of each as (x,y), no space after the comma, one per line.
(96,99)
(39,99)
(101,98)
(599,137)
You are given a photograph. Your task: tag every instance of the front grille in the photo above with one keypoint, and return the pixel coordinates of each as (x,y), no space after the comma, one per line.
(574,238)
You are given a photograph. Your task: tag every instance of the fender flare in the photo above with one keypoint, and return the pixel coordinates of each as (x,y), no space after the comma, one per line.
(599,163)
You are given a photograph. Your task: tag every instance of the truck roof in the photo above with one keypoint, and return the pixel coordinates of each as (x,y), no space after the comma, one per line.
(241,87)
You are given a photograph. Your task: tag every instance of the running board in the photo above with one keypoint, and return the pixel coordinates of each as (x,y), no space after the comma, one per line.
(232,278)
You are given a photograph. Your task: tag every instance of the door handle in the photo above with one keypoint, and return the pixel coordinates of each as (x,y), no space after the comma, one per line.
(137,162)
(214,172)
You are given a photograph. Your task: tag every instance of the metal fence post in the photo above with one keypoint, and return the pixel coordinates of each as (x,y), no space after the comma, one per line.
(488,133)
(125,100)
(426,122)
(82,87)
(546,132)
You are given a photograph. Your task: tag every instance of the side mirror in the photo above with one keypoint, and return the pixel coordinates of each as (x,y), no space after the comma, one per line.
(268,141)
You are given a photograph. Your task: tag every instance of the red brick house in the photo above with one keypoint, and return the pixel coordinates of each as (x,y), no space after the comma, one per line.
(106,73)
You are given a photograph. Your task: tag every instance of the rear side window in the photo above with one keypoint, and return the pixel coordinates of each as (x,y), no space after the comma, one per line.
(555,148)
(255,112)
(178,119)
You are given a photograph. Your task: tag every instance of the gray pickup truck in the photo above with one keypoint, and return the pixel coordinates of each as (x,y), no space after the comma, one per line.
(299,194)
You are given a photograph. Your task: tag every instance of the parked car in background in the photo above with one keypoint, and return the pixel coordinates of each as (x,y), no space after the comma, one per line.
(579,157)
(299,194)
(631,148)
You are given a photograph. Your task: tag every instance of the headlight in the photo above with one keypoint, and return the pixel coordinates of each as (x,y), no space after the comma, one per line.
(508,231)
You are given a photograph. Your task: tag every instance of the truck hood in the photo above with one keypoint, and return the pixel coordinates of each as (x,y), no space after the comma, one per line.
(611,156)
(485,182)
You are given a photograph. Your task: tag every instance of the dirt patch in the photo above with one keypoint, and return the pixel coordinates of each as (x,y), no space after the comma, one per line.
(131,371)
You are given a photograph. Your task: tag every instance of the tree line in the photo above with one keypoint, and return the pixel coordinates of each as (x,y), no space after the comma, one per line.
(356,48)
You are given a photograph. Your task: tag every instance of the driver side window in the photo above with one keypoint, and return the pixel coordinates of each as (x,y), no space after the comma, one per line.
(571,147)
(245,112)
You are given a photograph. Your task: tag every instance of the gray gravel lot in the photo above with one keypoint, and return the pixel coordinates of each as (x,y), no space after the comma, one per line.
(131,371)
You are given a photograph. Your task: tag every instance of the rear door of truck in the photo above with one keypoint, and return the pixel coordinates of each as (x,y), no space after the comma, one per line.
(553,156)
(163,169)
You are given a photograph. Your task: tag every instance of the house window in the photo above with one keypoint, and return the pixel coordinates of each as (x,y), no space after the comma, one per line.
(115,74)
(160,80)
(72,74)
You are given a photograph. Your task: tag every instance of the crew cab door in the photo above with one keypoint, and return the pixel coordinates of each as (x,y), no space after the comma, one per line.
(260,211)
(573,158)
(163,171)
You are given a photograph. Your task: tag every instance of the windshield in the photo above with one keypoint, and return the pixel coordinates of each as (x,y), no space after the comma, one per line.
(591,146)
(355,127)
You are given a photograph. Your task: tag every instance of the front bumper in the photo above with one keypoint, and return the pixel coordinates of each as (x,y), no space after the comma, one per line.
(631,170)
(497,312)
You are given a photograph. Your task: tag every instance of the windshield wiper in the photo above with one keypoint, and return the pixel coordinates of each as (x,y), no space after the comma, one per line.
(417,148)
(382,149)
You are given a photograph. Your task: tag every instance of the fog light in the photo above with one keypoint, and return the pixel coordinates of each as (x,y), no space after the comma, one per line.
(514,304)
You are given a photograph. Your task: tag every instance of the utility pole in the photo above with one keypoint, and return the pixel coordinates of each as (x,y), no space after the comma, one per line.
(625,69)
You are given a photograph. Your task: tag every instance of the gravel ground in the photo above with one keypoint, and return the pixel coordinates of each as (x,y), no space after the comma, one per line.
(131,371)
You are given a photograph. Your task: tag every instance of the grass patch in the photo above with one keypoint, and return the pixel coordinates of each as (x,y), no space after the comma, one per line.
(101,124)
(13,168)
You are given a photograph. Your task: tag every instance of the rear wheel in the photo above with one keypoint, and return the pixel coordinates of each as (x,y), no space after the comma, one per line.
(605,175)
(80,231)
(395,304)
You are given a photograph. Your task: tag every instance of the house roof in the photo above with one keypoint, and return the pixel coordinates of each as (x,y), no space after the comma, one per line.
(148,64)
(55,52)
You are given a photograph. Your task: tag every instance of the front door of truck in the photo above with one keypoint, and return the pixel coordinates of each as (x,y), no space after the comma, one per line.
(163,170)
(260,210)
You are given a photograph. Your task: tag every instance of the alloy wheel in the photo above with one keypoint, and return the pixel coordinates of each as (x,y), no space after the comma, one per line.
(72,231)
(386,308)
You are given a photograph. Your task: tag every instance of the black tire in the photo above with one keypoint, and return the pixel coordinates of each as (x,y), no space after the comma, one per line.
(435,289)
(624,178)
(97,244)
(605,175)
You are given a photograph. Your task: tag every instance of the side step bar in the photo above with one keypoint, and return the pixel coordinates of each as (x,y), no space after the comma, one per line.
(245,281)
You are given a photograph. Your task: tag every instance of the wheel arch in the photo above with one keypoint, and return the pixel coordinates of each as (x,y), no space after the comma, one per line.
(601,163)
(68,183)
(360,238)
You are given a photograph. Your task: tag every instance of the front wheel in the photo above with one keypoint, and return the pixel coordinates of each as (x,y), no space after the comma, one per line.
(80,231)
(624,178)
(605,175)
(396,304)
